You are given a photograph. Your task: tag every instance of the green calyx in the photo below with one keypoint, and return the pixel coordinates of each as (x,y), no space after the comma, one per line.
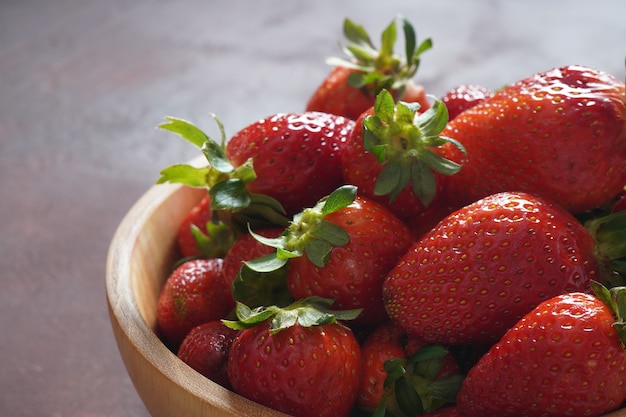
(308,234)
(404,142)
(262,281)
(379,68)
(615,299)
(230,200)
(306,312)
(609,234)
(413,385)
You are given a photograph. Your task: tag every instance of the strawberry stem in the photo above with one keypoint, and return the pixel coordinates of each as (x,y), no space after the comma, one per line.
(403,142)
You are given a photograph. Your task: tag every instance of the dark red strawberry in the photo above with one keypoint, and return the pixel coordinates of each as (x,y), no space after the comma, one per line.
(564,358)
(342,249)
(194,293)
(296,156)
(559,133)
(486,265)
(206,348)
(463,97)
(299,360)
(353,83)
(383,344)
(391,157)
(199,236)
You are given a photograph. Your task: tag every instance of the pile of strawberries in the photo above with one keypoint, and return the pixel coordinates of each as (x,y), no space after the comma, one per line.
(386,253)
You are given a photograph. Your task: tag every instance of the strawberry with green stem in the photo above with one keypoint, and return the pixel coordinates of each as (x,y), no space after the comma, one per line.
(403,376)
(564,358)
(230,201)
(392,155)
(342,249)
(299,359)
(353,83)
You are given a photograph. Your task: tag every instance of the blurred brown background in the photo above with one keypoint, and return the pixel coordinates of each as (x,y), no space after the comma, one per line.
(83,83)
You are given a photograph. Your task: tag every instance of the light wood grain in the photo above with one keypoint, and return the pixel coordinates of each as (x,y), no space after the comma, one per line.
(141,254)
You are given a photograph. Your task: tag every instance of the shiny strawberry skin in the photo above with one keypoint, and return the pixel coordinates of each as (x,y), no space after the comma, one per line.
(562,359)
(303,371)
(463,97)
(206,348)
(384,343)
(194,293)
(296,156)
(486,265)
(354,273)
(560,133)
(199,215)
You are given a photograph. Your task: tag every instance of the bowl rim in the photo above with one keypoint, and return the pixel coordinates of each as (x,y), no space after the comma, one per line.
(133,329)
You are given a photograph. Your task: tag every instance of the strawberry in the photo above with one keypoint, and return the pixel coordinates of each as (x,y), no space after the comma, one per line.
(206,348)
(350,243)
(390,155)
(255,289)
(384,343)
(296,156)
(299,359)
(402,376)
(564,358)
(559,134)
(486,265)
(463,97)
(198,236)
(353,84)
(194,293)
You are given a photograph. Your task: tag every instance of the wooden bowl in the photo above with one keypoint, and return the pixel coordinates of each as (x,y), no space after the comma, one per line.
(141,254)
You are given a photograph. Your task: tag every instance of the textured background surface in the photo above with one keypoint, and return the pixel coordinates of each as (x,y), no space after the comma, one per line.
(83,83)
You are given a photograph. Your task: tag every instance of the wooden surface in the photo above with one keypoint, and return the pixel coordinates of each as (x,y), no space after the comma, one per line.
(83,83)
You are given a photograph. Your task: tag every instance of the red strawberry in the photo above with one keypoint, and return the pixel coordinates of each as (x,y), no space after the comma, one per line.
(463,97)
(560,134)
(198,236)
(391,156)
(349,243)
(384,343)
(395,385)
(485,266)
(353,84)
(194,293)
(296,156)
(564,358)
(206,348)
(299,360)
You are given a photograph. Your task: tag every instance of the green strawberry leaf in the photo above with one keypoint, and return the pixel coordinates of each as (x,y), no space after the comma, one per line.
(380,68)
(306,312)
(230,194)
(407,398)
(186,130)
(318,251)
(256,289)
(185,174)
(340,198)
(215,240)
(404,143)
